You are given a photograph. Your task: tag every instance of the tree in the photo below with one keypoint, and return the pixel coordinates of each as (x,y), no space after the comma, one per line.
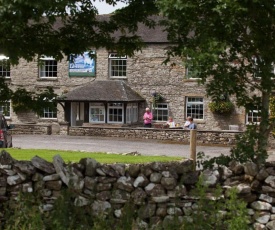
(23,100)
(59,28)
(231,44)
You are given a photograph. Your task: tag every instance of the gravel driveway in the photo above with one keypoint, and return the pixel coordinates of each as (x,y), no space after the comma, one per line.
(112,145)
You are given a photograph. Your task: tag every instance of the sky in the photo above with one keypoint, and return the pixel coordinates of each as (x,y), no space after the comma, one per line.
(104,8)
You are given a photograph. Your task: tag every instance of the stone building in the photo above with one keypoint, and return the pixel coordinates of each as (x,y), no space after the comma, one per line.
(112,89)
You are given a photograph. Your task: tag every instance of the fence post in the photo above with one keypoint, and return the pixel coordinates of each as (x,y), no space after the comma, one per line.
(193,144)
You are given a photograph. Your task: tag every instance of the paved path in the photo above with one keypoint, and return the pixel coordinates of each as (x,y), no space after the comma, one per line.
(113,145)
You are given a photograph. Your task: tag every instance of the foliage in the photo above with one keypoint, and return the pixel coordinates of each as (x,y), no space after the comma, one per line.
(156,98)
(68,216)
(214,211)
(247,147)
(221,107)
(272,110)
(64,27)
(5,91)
(23,100)
(23,213)
(245,151)
(210,162)
(224,40)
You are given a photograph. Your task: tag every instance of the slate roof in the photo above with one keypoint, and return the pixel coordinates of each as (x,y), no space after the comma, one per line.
(102,91)
(148,35)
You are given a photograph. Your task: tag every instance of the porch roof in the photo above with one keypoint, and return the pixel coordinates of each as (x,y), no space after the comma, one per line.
(102,91)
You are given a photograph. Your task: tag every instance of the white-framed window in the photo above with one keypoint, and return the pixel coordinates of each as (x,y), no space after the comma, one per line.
(132,113)
(190,71)
(195,107)
(49,113)
(253,116)
(4,66)
(5,108)
(47,67)
(257,70)
(117,66)
(97,113)
(160,112)
(115,113)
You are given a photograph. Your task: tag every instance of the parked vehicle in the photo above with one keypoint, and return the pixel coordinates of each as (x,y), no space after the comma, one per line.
(5,133)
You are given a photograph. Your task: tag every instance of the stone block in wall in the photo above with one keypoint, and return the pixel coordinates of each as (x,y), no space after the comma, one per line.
(64,128)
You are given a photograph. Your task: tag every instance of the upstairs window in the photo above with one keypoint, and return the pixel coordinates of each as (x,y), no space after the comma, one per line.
(47,67)
(191,72)
(117,66)
(194,107)
(253,116)
(4,66)
(257,69)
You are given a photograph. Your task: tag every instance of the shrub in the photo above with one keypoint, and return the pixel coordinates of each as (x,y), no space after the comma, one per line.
(217,211)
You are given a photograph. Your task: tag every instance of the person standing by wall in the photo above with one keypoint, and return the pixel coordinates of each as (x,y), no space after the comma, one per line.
(192,125)
(147,118)
(187,123)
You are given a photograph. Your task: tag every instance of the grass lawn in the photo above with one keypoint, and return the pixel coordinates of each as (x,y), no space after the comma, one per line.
(75,156)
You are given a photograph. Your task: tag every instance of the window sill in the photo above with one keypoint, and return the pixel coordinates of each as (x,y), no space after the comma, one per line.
(115,78)
(47,119)
(191,79)
(47,79)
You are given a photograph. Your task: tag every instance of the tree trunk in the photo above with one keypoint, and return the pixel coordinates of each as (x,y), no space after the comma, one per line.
(265,126)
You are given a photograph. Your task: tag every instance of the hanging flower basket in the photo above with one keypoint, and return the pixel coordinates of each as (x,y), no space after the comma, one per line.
(221,107)
(157,97)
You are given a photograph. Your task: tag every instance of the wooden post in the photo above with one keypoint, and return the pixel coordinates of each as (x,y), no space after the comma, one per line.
(193,144)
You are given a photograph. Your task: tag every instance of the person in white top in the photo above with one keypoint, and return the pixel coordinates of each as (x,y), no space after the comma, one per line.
(171,123)
(187,123)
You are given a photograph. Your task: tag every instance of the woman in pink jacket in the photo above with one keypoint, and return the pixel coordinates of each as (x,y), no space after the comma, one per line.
(147,118)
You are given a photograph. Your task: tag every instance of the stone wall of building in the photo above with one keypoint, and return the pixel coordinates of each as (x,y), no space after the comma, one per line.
(146,74)
(158,192)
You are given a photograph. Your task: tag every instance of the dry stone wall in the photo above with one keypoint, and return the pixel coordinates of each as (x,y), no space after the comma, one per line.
(45,129)
(224,138)
(159,191)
